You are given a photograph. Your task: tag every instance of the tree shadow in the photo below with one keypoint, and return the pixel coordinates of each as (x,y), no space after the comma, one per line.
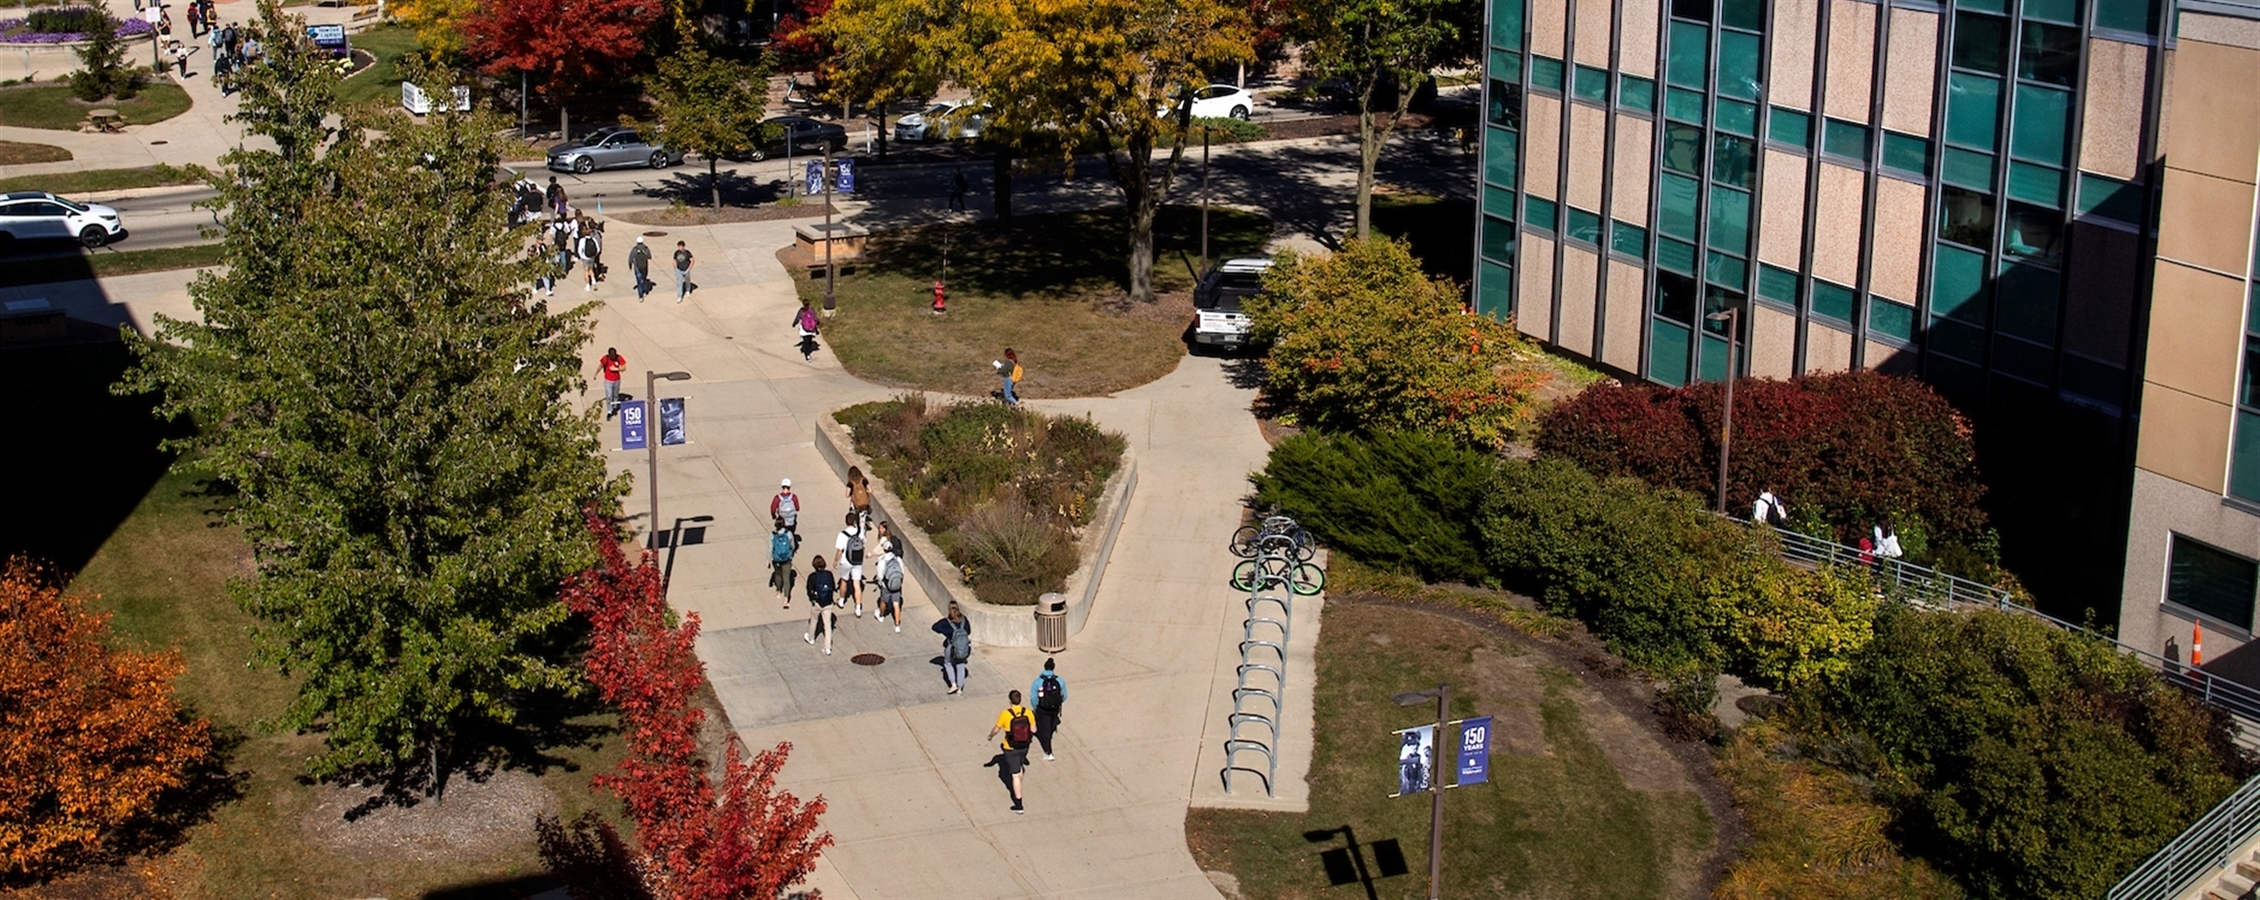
(210,784)
(91,458)
(546,721)
(1053,254)
(689,185)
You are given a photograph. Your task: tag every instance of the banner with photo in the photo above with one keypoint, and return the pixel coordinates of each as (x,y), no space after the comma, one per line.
(1416,760)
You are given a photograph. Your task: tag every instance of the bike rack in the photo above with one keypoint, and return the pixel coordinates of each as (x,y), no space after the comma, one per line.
(1267,560)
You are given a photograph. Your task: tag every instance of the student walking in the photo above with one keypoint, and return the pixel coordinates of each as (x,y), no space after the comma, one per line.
(683,263)
(890,583)
(591,251)
(859,496)
(1018,724)
(1009,367)
(785,507)
(957,646)
(613,364)
(555,194)
(804,324)
(823,596)
(639,265)
(957,190)
(1050,692)
(781,563)
(847,550)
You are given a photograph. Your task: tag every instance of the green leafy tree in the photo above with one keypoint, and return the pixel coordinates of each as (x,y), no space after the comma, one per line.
(1362,339)
(1385,50)
(1406,501)
(708,105)
(103,71)
(884,60)
(388,404)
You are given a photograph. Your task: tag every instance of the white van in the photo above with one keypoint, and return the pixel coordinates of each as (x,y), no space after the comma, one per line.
(1217,301)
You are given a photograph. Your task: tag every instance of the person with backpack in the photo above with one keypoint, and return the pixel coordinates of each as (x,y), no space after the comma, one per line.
(590,248)
(957,646)
(1009,368)
(1051,696)
(785,507)
(555,196)
(859,496)
(847,550)
(781,562)
(639,265)
(890,583)
(1018,725)
(823,595)
(804,322)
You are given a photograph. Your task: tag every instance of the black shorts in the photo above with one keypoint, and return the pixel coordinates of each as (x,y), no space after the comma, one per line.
(1014,760)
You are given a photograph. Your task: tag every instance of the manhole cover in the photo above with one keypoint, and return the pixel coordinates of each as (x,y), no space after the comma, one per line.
(867,659)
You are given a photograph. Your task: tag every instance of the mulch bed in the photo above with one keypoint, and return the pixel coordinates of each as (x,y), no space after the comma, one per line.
(704,215)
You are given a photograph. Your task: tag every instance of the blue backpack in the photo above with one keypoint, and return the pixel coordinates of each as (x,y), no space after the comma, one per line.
(780,547)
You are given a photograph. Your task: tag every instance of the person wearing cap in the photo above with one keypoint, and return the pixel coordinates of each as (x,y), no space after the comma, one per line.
(785,507)
(639,265)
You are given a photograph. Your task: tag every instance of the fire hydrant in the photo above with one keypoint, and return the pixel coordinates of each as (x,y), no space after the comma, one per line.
(941,299)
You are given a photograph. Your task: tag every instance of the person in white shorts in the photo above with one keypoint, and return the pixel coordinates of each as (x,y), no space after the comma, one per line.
(847,561)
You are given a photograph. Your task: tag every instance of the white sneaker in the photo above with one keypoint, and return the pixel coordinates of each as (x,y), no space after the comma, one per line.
(898,629)
(1047,756)
(859,610)
(810,638)
(827,651)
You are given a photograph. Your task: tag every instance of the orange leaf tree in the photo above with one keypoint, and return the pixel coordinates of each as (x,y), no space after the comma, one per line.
(90,737)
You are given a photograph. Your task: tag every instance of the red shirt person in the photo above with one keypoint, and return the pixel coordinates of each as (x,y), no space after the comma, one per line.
(613,364)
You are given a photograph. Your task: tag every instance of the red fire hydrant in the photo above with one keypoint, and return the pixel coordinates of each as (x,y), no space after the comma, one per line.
(941,299)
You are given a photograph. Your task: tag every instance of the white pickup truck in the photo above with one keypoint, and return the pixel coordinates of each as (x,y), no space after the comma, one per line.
(1217,301)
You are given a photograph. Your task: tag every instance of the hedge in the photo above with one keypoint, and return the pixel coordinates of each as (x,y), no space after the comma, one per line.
(1402,501)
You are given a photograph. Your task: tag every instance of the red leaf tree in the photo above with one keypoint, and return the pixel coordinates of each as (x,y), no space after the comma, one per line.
(745,839)
(798,46)
(90,736)
(566,43)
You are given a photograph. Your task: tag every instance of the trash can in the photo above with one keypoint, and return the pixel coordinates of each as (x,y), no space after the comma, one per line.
(1051,623)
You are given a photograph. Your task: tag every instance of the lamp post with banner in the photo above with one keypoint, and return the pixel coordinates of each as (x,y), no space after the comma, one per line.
(1420,767)
(671,432)
(824,177)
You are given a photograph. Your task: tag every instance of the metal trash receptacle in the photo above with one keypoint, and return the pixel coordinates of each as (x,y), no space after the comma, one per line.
(1051,623)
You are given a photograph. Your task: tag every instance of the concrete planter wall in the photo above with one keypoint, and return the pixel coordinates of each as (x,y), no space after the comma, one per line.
(994,625)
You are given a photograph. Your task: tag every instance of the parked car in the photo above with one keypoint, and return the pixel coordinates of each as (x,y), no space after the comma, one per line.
(1217,301)
(1217,101)
(944,121)
(796,133)
(610,146)
(38,215)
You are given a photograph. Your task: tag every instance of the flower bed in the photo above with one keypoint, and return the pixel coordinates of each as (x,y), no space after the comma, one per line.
(20,31)
(1003,492)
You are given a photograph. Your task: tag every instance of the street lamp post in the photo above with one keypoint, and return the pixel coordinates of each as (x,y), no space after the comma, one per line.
(1204,200)
(825,180)
(1731,316)
(1443,695)
(652,438)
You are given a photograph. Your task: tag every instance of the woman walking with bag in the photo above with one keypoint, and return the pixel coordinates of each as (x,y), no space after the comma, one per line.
(804,322)
(957,646)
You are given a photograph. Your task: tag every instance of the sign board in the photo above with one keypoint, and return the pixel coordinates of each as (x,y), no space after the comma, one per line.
(671,422)
(815,177)
(330,38)
(1416,760)
(416,102)
(1475,751)
(846,177)
(153,14)
(634,428)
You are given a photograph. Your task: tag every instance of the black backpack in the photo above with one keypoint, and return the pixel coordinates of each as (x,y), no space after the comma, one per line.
(1048,695)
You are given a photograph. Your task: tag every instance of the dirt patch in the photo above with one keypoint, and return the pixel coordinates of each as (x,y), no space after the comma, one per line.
(16,153)
(1512,693)
(476,819)
(688,216)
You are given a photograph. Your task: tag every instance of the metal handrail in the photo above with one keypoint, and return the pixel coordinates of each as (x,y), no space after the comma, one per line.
(2200,852)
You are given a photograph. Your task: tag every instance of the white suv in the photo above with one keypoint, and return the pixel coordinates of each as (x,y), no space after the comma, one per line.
(37,215)
(1217,299)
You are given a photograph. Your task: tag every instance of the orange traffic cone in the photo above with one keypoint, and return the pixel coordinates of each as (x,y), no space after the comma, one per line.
(2197,643)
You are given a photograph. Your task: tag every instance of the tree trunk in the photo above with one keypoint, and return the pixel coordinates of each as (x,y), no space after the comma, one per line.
(1143,204)
(714,179)
(564,124)
(1369,157)
(1000,182)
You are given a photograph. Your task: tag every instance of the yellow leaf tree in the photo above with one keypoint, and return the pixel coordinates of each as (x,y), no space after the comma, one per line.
(438,23)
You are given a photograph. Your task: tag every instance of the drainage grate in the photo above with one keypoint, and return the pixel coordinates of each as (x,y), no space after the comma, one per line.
(867,659)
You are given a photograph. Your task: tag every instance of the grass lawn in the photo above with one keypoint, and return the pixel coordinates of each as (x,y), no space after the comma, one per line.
(105,263)
(380,81)
(1558,820)
(16,153)
(73,183)
(51,106)
(1046,285)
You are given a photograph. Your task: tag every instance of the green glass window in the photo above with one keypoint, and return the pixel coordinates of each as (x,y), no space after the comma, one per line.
(1684,105)
(1749,15)
(2030,232)
(1495,290)
(1506,65)
(1981,43)
(1973,104)
(1583,226)
(2112,199)
(1506,25)
(1788,126)
(1691,10)
(1738,65)
(1677,297)
(1592,84)
(1683,148)
(2036,184)
(1667,353)
(1504,104)
(1635,92)
(1965,217)
(1778,285)
(1498,201)
(1737,117)
(1498,240)
(1628,239)
(1891,320)
(1499,155)
(2043,116)
(1710,363)
(1958,285)
(2140,16)
(1992,6)
(2065,11)
(1971,170)
(2049,54)
(2248,393)
(1955,339)
(2026,296)
(1734,160)
(2215,583)
(1720,268)
(1539,213)
(1675,208)
(1546,73)
(1730,220)
(1906,153)
(1689,64)
(1845,139)
(1832,300)
(1675,256)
